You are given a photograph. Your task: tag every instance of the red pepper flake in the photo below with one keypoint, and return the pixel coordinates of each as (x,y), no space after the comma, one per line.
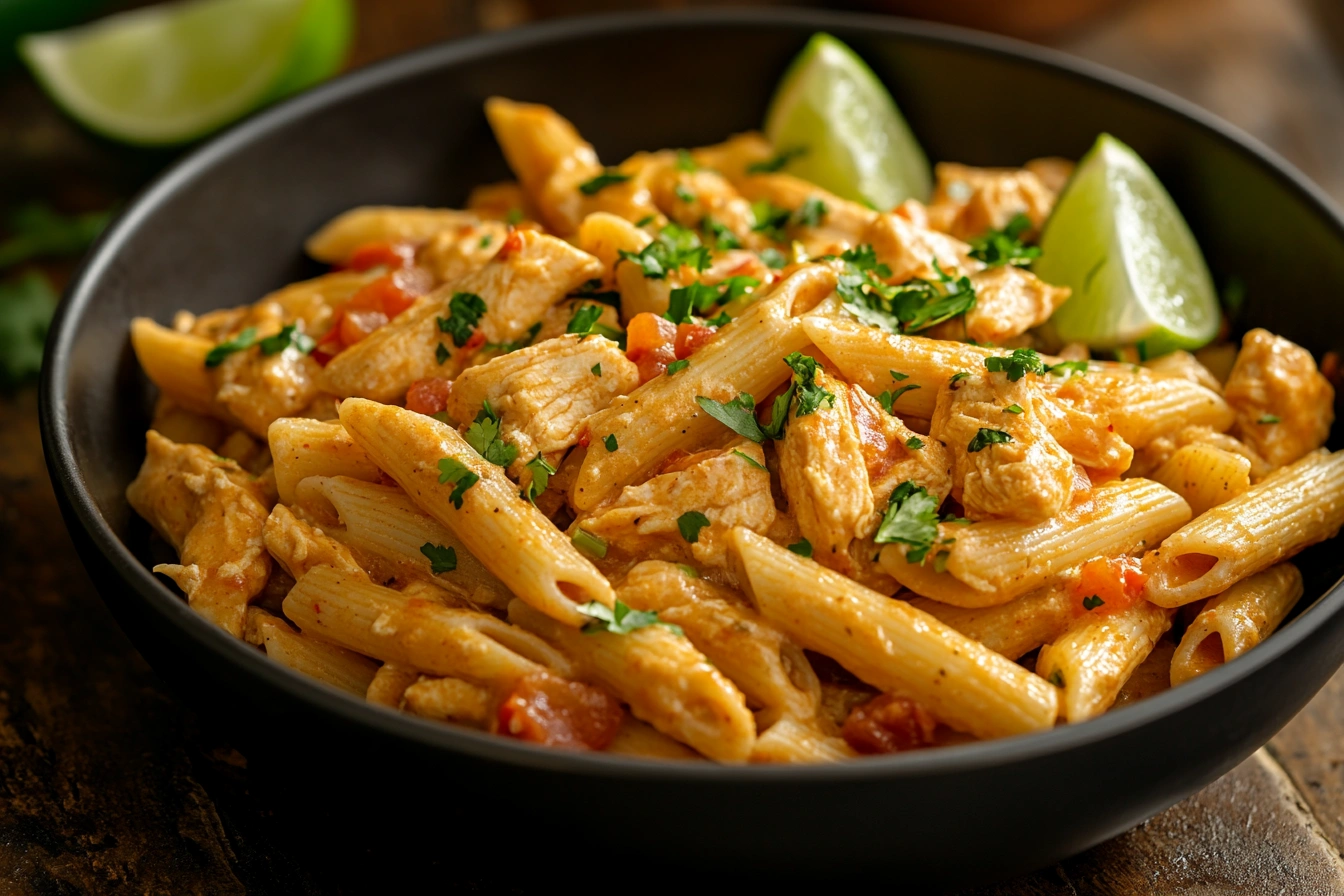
(316,607)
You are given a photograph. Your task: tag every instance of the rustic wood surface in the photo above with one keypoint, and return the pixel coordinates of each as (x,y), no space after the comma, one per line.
(108,784)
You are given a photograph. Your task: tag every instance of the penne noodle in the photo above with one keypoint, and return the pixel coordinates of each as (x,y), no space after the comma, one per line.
(1014,628)
(413,631)
(301,448)
(663,678)
(390,683)
(175,362)
(507,534)
(636,738)
(662,415)
(1091,661)
(346,232)
(1236,620)
(993,561)
(327,663)
(1205,476)
(891,645)
(788,741)
(1297,506)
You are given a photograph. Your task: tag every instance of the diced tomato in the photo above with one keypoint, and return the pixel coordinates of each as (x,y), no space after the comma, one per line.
(690,337)
(428,396)
(585,438)
(370,255)
(650,341)
(474,341)
(512,243)
(356,324)
(888,724)
(544,709)
(1117,582)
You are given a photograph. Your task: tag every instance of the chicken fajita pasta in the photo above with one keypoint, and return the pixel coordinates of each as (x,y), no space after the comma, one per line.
(691,458)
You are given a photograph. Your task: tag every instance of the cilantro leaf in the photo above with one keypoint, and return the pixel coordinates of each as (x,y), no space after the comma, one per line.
(685,299)
(776,162)
(770,219)
(244,340)
(1013,408)
(674,247)
(608,177)
(772,258)
(810,395)
(453,470)
(1067,368)
(441,353)
(802,548)
(986,437)
(686,162)
(582,321)
(722,236)
(1017,365)
(810,213)
(690,523)
(486,241)
(779,413)
(289,335)
(513,216)
(620,619)
(959,375)
(483,435)
(914,443)
(1268,418)
(684,194)
(739,415)
(541,477)
(735,287)
(1091,603)
(596,369)
(37,231)
(589,543)
(911,519)
(897,376)
(678,366)
(26,306)
(749,459)
(441,559)
(464,312)
(888,398)
(610,442)
(911,307)
(1000,247)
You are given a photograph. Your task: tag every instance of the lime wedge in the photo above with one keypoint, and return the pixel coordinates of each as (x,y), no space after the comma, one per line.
(172,73)
(1116,238)
(854,140)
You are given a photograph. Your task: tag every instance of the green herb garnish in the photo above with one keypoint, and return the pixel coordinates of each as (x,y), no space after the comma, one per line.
(986,437)
(1017,365)
(453,470)
(802,548)
(1000,247)
(242,341)
(620,619)
(441,559)
(464,312)
(749,459)
(776,162)
(608,177)
(911,519)
(584,318)
(290,334)
(589,543)
(483,435)
(678,366)
(541,477)
(690,523)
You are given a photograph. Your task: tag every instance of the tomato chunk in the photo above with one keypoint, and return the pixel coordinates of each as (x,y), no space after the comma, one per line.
(544,709)
(512,243)
(650,342)
(1108,585)
(358,324)
(888,724)
(428,396)
(370,255)
(690,337)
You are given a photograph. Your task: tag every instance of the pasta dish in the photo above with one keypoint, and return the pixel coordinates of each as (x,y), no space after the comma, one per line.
(690,458)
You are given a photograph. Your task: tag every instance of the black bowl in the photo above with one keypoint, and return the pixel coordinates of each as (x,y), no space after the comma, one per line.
(225,225)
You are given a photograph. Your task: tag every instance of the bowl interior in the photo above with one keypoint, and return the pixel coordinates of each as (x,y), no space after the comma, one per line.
(227,226)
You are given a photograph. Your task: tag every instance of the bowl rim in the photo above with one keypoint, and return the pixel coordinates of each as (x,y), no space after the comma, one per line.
(425,734)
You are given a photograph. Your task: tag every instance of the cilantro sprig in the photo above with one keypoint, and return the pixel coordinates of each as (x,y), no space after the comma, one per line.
(911,519)
(620,619)
(453,470)
(1005,247)
(289,335)
(986,437)
(810,395)
(464,312)
(441,559)
(770,219)
(1017,365)
(483,435)
(690,523)
(911,307)
(244,340)
(584,319)
(674,247)
(607,178)
(541,477)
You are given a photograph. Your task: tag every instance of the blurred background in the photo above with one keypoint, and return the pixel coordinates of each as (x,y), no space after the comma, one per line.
(1273,67)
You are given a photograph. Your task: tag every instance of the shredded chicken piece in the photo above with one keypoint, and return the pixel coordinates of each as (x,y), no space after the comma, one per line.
(298,546)
(545,393)
(910,249)
(450,255)
(692,198)
(824,474)
(1030,477)
(969,201)
(642,520)
(207,508)
(259,389)
(1284,405)
(1008,301)
(842,223)
(891,455)
(1088,436)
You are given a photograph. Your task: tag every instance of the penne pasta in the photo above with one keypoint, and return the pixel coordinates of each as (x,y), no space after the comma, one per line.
(1299,505)
(301,448)
(1236,620)
(369,224)
(329,664)
(175,362)
(891,645)
(788,741)
(1204,475)
(389,684)
(1013,629)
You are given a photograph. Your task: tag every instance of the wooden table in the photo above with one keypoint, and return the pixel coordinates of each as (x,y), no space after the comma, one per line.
(108,784)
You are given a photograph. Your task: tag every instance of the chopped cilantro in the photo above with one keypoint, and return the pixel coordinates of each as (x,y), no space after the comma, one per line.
(770,219)
(243,340)
(589,543)
(911,519)
(441,353)
(721,320)
(940,561)
(1268,418)
(959,375)
(514,216)
(690,571)
(483,435)
(1000,247)
(749,459)
(678,366)
(464,311)
(810,395)
(912,306)
(690,523)
(646,221)
(541,477)
(683,194)
(1091,603)
(1017,365)
(685,299)
(914,443)
(453,470)
(1067,368)
(1013,408)
(803,548)
(441,559)
(898,376)
(776,162)
(486,241)
(986,437)
(608,177)
(620,619)
(37,231)
(290,334)
(736,287)
(810,213)
(582,321)
(610,442)
(772,258)
(26,306)
(722,236)
(686,162)
(597,370)
(739,415)
(888,398)
(674,247)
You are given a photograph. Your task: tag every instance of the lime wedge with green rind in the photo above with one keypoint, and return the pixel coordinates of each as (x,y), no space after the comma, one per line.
(855,141)
(172,73)
(1118,241)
